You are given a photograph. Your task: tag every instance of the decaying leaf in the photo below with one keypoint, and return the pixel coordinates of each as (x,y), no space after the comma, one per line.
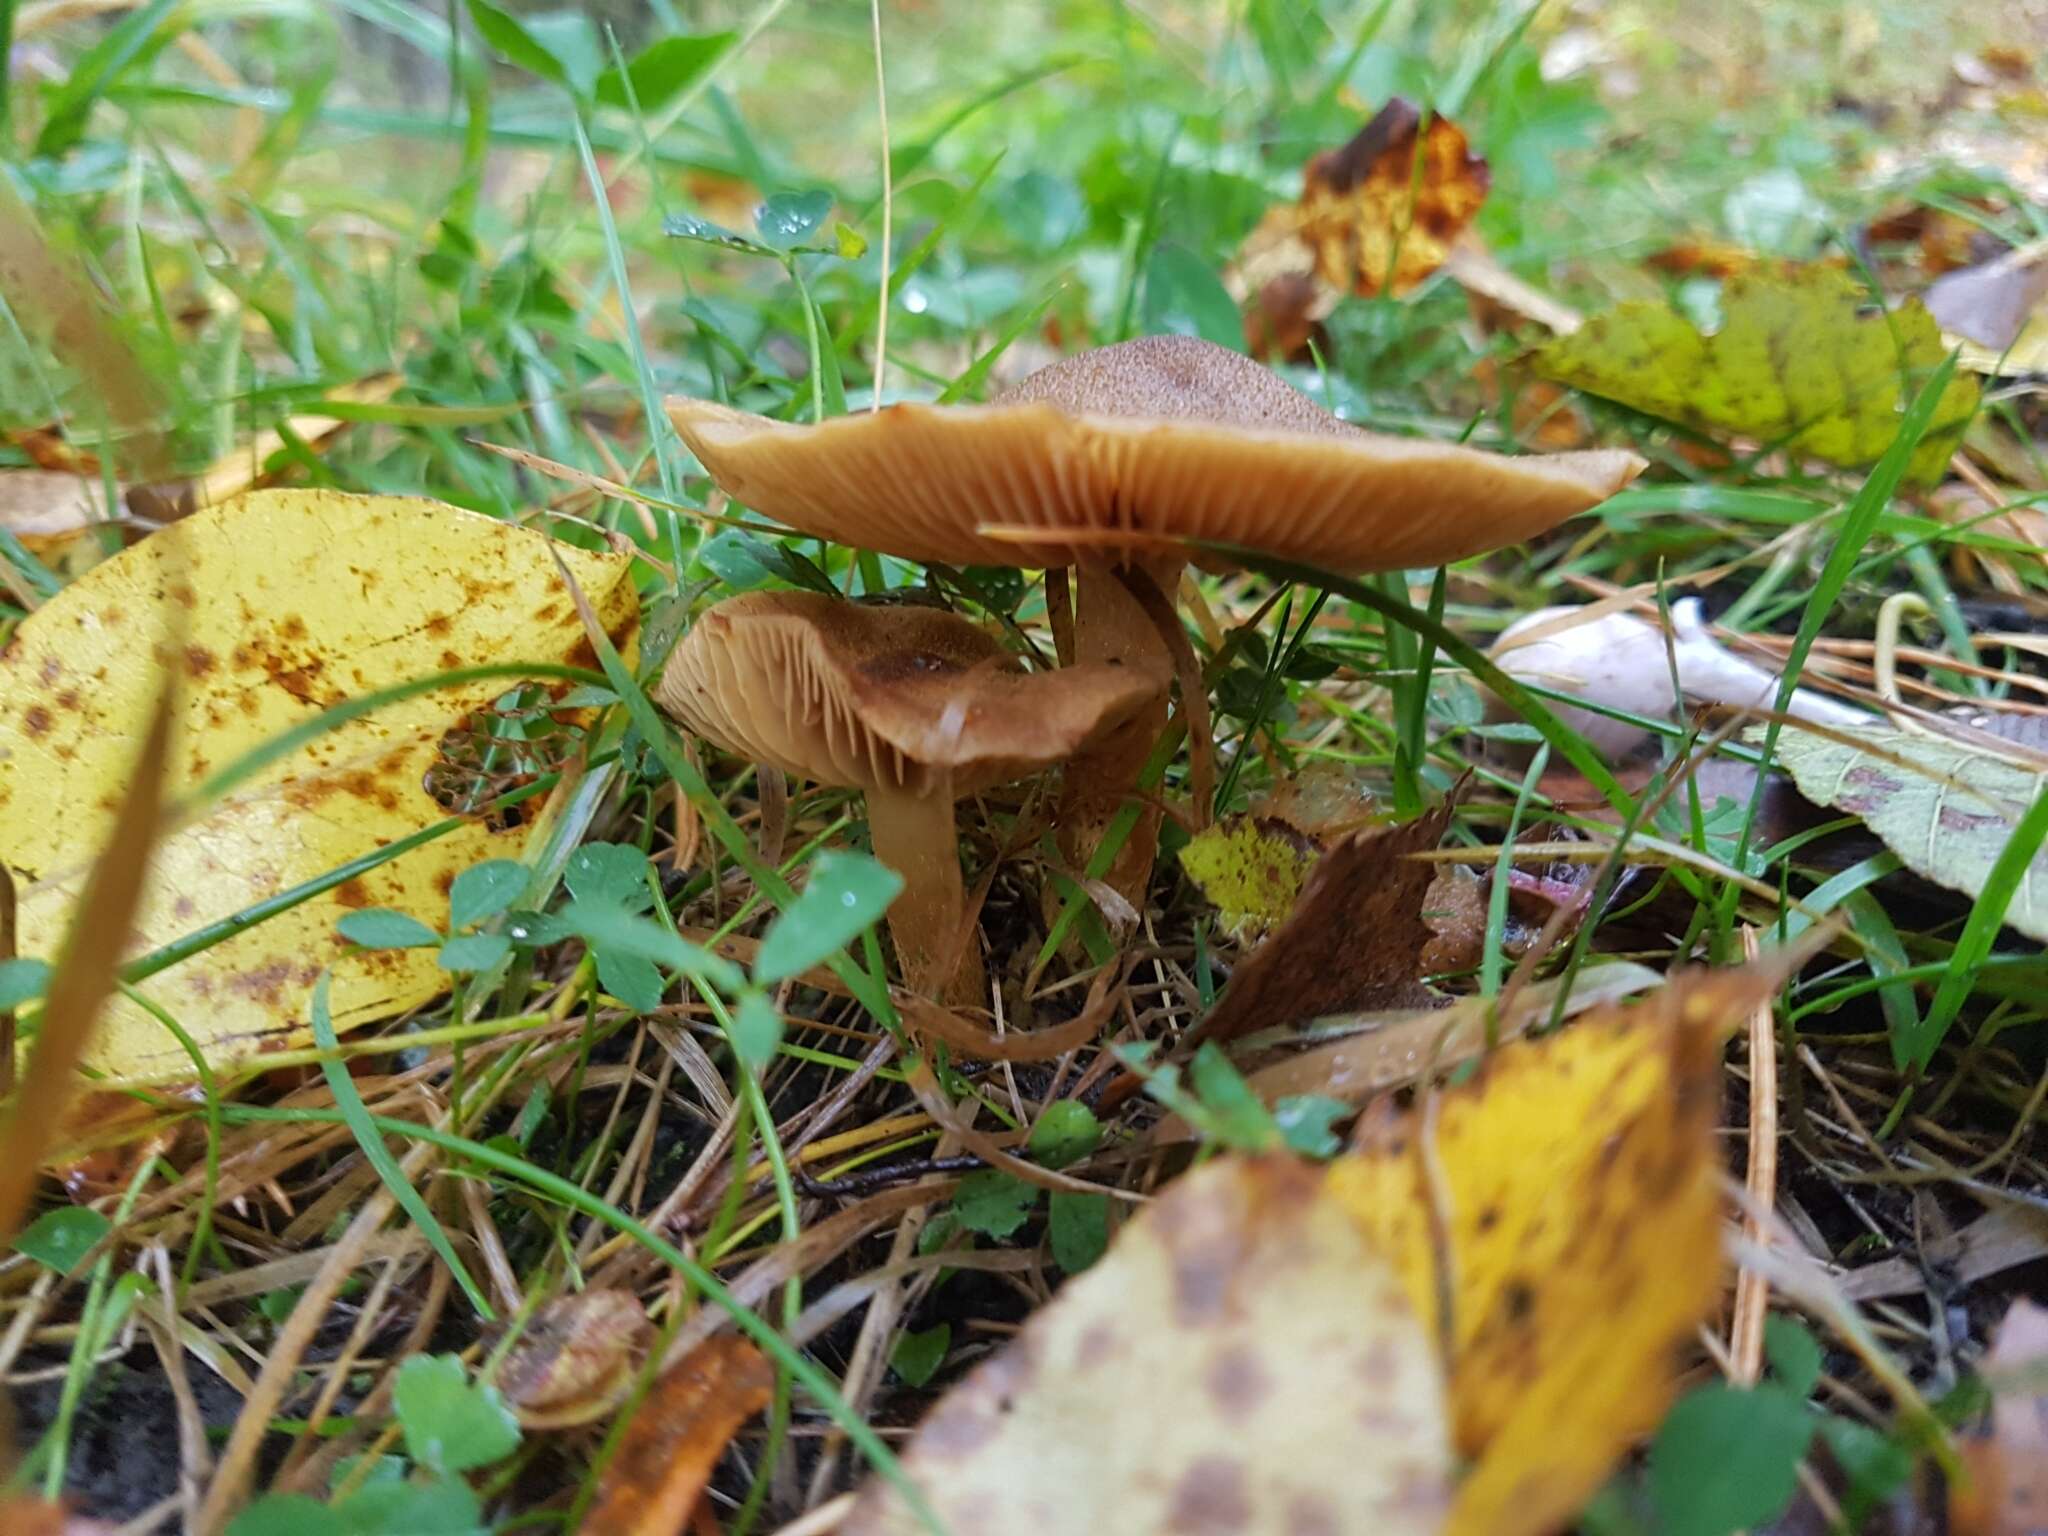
(1381,213)
(1354,941)
(1251,869)
(1396,1049)
(1997,313)
(1564,1206)
(1946,806)
(677,1436)
(1324,801)
(1377,215)
(1240,1361)
(46,507)
(575,1359)
(2004,1487)
(292,601)
(1795,365)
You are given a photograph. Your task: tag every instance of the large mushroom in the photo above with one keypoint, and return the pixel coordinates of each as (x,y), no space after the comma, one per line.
(912,706)
(1112,460)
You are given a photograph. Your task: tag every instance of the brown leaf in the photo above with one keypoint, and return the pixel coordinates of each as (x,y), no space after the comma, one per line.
(1240,1363)
(1454,912)
(1355,941)
(576,1358)
(1377,215)
(45,507)
(2004,1489)
(1381,213)
(677,1436)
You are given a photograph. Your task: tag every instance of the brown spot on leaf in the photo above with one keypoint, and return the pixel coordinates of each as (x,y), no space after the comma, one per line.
(1210,1499)
(198,661)
(1238,1383)
(37,720)
(352,893)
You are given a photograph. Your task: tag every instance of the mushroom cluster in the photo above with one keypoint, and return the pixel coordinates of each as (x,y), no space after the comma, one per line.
(1117,462)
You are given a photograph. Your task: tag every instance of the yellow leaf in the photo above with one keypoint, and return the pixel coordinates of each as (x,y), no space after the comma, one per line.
(295,601)
(1794,365)
(1239,1361)
(1557,1222)
(1251,869)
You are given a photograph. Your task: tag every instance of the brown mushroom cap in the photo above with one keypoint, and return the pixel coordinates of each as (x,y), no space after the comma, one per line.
(1131,449)
(883,698)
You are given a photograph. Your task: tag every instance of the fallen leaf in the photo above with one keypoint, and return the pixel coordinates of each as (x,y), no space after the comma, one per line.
(1454,912)
(1324,801)
(2003,1238)
(1945,805)
(1557,1220)
(1354,941)
(22,1516)
(1622,662)
(1394,1049)
(2004,1487)
(1794,365)
(45,508)
(676,1437)
(1997,313)
(1251,869)
(248,465)
(1377,215)
(1304,1396)
(294,601)
(575,1359)
(1381,213)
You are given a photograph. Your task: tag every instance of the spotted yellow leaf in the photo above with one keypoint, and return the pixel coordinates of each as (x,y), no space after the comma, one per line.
(1251,869)
(1795,364)
(1240,1361)
(285,603)
(1557,1220)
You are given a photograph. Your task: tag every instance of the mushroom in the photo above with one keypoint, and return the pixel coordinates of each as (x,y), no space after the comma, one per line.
(1116,458)
(912,706)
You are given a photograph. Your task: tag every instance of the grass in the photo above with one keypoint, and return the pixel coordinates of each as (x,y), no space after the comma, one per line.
(540,227)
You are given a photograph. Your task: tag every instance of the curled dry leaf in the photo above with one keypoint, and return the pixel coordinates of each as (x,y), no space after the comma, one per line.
(1354,941)
(1997,313)
(293,601)
(1239,1361)
(1620,661)
(576,1358)
(2004,1487)
(1377,215)
(676,1437)
(1557,1219)
(1795,364)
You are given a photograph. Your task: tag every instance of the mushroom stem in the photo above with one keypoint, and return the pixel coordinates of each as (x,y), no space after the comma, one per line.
(1111,626)
(914,835)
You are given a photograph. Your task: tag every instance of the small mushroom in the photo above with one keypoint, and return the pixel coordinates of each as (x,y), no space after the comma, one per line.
(1118,457)
(912,706)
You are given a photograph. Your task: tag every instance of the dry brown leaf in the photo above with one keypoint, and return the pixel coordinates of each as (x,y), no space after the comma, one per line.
(677,1436)
(2004,1487)
(1377,215)
(1557,1219)
(576,1358)
(1240,1361)
(1355,940)
(1381,213)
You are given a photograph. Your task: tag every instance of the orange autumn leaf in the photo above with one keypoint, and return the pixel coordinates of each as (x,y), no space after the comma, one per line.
(1377,215)
(677,1436)
(1381,213)
(1557,1221)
